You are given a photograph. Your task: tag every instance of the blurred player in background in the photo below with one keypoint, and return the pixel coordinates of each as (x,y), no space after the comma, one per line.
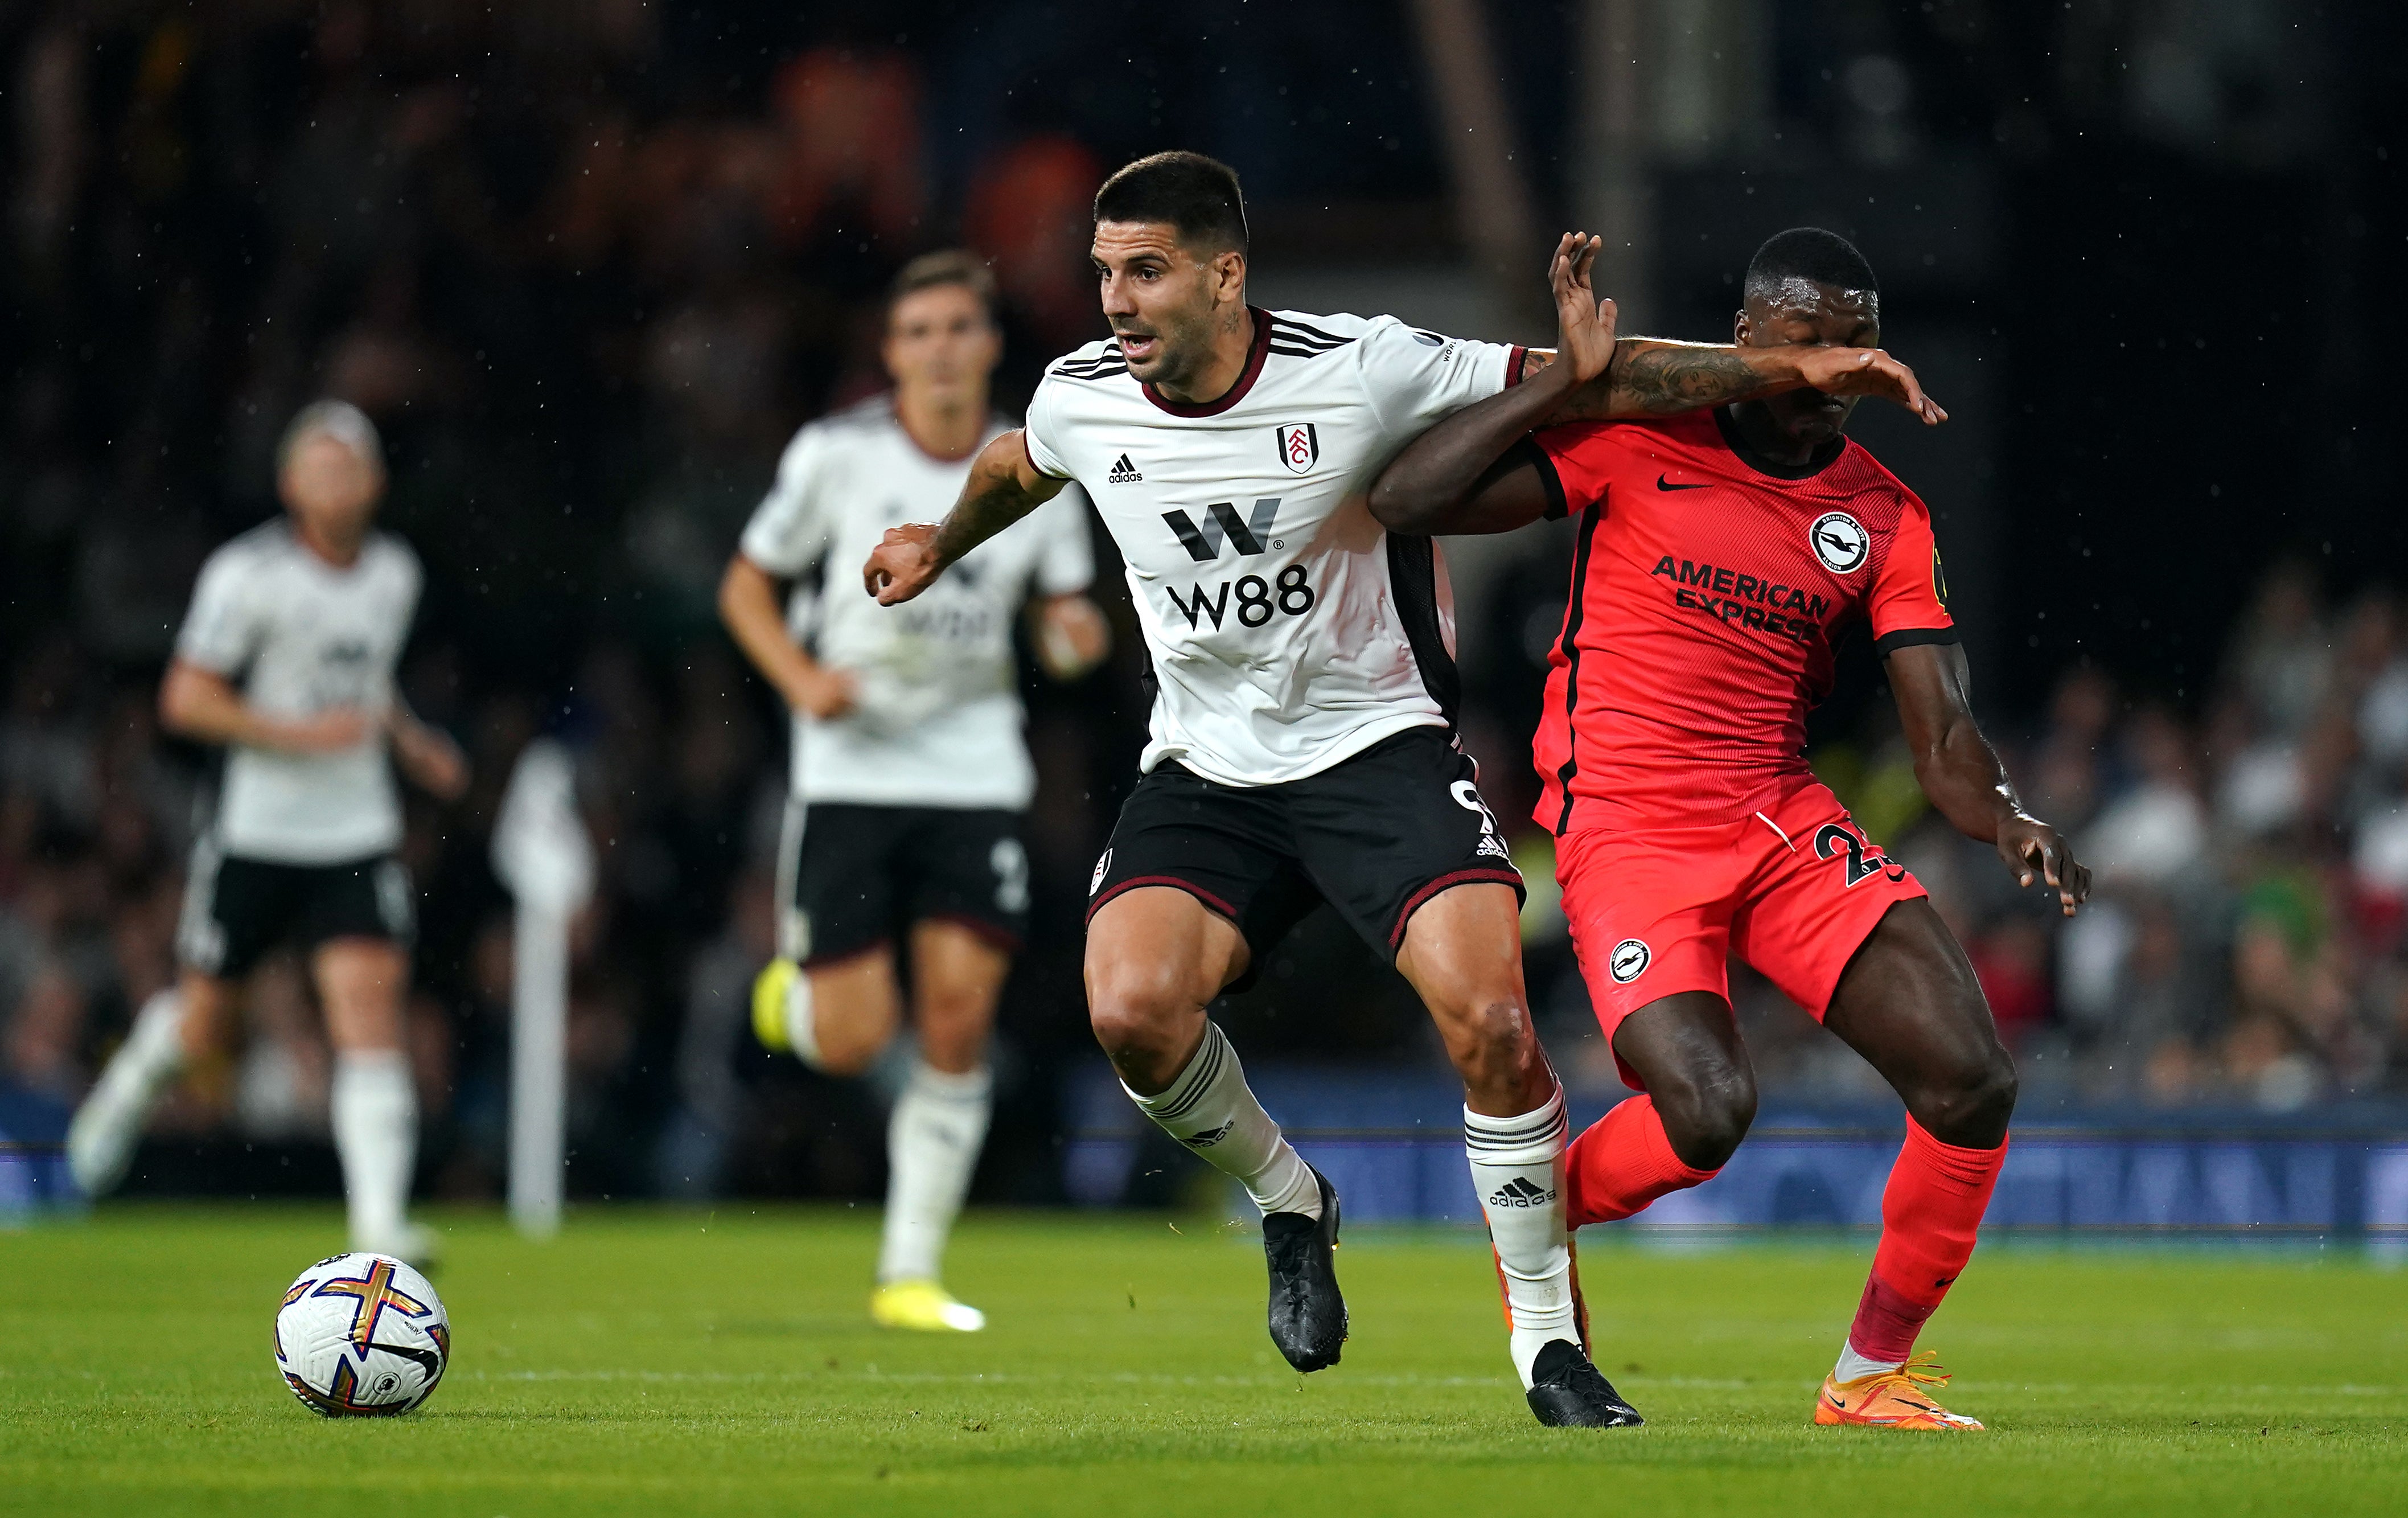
(1303,746)
(910,770)
(1720,558)
(286,659)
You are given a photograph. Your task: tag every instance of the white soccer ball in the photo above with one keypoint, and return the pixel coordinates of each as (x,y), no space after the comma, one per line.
(362,1335)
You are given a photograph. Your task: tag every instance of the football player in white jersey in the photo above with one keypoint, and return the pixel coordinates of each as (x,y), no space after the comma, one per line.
(286,658)
(909,772)
(1302,739)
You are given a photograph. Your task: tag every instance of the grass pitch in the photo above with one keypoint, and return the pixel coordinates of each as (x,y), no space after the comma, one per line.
(672,1362)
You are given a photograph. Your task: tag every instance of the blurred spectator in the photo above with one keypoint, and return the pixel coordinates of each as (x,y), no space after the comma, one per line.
(2156,831)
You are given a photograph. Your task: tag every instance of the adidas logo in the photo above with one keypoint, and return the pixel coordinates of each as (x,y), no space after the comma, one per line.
(1124,472)
(1518,1192)
(1208,1137)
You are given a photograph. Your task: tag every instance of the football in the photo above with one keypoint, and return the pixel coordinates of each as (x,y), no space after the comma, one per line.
(362,1335)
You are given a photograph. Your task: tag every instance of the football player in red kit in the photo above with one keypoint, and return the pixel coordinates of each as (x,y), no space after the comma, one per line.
(1721,555)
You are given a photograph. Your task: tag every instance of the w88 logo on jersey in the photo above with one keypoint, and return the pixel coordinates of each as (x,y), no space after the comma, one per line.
(1250,600)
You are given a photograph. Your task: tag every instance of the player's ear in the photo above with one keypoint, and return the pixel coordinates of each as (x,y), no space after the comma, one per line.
(1739,327)
(1229,275)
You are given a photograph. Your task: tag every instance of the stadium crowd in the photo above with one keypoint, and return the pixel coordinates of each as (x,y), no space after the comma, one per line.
(588,289)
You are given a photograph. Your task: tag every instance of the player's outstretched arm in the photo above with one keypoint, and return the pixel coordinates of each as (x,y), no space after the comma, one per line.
(203,704)
(1961,773)
(1073,635)
(1003,487)
(1458,477)
(748,606)
(1658,377)
(426,754)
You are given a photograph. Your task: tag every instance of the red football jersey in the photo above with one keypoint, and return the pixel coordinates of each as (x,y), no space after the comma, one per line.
(1706,597)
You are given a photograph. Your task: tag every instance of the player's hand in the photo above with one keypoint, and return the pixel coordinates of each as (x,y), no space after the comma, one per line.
(1072,635)
(1868,371)
(1584,323)
(337,730)
(2035,851)
(903,564)
(429,757)
(826,694)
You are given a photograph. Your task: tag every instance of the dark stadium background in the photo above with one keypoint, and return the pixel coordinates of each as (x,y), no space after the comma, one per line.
(589,265)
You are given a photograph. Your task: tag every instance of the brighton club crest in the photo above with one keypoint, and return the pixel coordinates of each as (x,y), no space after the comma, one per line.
(1299,445)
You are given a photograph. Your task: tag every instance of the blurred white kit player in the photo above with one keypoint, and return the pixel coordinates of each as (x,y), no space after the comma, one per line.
(910,773)
(286,658)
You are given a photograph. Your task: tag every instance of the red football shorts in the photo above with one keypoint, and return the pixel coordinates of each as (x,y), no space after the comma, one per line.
(1792,890)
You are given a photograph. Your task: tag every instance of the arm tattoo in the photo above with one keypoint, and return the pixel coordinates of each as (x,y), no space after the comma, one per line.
(1659,378)
(979,515)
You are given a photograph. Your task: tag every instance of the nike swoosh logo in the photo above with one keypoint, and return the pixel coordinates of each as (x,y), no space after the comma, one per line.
(427,1360)
(1662,483)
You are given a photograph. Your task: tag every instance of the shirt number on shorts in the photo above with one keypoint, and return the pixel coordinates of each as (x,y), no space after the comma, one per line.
(1466,795)
(1258,600)
(1833,839)
(1010,863)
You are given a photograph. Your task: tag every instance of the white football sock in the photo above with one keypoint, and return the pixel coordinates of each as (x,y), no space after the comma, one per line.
(1209,1110)
(802,1027)
(1516,1168)
(101,1141)
(1855,1367)
(375,1112)
(932,1147)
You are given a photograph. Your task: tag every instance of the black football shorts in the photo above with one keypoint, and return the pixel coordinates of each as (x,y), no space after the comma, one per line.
(237,910)
(1375,836)
(855,878)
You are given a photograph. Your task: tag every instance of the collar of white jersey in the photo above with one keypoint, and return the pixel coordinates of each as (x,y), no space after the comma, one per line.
(1235,392)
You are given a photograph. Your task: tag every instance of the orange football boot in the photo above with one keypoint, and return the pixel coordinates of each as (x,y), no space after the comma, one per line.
(1893,1400)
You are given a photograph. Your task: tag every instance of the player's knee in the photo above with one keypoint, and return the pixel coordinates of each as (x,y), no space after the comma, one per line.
(1138,1010)
(1971,1105)
(1706,1117)
(953,1035)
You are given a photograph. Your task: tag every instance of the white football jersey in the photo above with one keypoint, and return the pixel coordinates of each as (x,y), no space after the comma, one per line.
(1288,629)
(299,636)
(937,721)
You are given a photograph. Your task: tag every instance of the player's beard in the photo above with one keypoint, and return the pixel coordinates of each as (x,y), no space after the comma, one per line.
(1182,346)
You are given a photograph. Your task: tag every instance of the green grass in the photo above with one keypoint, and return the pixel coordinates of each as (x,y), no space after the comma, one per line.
(666,1362)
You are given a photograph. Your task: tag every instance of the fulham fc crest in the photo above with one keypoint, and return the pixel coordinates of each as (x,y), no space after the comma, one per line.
(1299,445)
(1839,541)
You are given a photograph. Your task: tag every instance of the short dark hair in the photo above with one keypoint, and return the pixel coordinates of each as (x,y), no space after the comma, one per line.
(948,267)
(1196,194)
(1809,252)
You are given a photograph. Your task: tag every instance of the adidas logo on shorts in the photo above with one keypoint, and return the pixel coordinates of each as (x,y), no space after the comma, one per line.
(1123,473)
(1518,1192)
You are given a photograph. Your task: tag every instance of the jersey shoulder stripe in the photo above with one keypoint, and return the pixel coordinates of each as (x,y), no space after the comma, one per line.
(1300,334)
(1089,361)
(1330,331)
